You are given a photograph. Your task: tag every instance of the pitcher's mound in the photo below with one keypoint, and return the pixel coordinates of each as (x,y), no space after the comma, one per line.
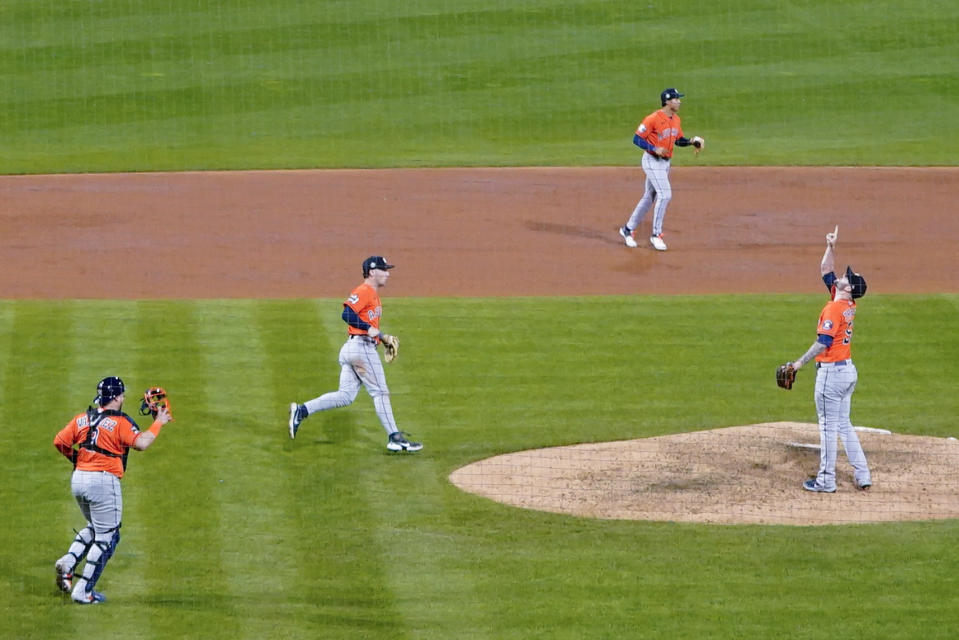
(738,475)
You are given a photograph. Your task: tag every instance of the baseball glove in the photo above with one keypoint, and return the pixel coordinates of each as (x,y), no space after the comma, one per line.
(153,399)
(391,346)
(786,375)
(699,143)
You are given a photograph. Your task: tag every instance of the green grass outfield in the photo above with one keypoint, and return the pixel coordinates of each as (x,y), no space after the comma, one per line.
(124,85)
(231,530)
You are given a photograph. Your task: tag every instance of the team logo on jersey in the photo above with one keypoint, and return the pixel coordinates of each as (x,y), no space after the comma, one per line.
(827,325)
(353,299)
(669,133)
(642,128)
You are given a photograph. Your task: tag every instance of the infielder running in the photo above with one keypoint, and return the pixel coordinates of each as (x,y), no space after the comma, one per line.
(656,135)
(103,436)
(836,375)
(359,361)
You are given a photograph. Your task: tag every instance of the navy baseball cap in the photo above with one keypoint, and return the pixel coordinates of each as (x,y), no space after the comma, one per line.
(857,282)
(669,94)
(375,262)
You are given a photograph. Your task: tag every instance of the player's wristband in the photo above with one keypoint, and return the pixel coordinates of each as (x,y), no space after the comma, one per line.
(155,428)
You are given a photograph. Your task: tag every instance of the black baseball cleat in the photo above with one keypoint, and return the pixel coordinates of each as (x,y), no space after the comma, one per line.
(864,486)
(398,442)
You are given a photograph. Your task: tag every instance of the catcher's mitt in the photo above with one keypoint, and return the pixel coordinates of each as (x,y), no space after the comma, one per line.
(153,399)
(786,375)
(391,346)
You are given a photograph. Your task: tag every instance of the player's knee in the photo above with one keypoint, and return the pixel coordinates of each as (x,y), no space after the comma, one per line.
(114,541)
(99,550)
(380,392)
(344,399)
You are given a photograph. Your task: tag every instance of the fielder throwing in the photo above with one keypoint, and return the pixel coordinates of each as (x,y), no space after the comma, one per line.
(104,436)
(836,375)
(656,135)
(359,362)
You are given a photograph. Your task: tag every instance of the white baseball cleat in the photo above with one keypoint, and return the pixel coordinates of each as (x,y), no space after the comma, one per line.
(657,242)
(628,237)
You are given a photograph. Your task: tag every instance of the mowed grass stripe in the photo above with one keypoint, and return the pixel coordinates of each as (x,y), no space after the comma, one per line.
(180,522)
(38,510)
(404,493)
(287,333)
(252,498)
(35,497)
(328,469)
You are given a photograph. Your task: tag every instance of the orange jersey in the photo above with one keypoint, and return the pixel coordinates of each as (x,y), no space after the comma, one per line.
(836,320)
(661,130)
(106,450)
(366,303)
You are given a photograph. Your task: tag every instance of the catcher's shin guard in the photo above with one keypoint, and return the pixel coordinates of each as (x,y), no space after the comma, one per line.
(97,558)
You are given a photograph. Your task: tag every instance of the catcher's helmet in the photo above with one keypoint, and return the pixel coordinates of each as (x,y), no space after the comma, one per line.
(108,389)
(669,94)
(375,262)
(857,282)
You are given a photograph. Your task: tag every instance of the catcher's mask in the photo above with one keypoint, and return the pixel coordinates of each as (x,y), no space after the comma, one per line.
(153,399)
(107,389)
(857,282)
(375,262)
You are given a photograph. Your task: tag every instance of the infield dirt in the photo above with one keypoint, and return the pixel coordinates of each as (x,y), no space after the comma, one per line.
(471,232)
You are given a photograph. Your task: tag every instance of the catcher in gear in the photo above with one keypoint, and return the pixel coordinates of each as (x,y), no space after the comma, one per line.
(97,442)
(836,375)
(359,362)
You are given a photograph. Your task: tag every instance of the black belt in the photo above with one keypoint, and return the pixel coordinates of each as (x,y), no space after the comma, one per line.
(838,363)
(363,337)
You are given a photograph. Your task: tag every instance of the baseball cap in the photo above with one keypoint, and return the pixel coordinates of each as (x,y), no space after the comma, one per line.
(669,94)
(375,262)
(857,282)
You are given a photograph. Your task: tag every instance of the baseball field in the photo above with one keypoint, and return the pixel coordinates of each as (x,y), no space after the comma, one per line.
(187,193)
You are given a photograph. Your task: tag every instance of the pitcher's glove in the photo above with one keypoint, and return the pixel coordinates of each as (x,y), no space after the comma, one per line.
(786,375)
(391,346)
